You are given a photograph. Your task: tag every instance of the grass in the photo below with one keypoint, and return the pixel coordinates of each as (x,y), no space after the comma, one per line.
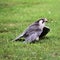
(15,16)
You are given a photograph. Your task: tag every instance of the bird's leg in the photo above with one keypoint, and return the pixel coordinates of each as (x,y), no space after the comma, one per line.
(24,42)
(37,39)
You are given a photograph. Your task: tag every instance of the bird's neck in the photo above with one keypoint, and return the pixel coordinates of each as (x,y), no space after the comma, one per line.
(41,26)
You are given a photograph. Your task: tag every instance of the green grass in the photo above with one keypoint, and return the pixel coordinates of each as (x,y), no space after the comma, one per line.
(15,16)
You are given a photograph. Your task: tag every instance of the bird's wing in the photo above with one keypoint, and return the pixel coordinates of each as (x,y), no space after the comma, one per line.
(33,36)
(31,30)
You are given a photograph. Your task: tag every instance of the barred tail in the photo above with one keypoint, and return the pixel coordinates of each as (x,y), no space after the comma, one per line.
(17,38)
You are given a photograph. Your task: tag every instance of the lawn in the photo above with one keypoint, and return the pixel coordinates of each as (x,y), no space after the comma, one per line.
(15,16)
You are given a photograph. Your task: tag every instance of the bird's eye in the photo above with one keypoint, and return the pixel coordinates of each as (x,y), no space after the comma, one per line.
(42,21)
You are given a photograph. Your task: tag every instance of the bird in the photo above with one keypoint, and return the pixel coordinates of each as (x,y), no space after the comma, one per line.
(34,31)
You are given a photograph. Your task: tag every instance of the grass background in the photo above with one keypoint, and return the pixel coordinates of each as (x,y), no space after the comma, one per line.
(15,16)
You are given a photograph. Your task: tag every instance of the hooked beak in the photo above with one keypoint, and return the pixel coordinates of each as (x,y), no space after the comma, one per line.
(46,20)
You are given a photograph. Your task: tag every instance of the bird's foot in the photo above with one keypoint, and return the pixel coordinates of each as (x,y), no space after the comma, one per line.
(37,39)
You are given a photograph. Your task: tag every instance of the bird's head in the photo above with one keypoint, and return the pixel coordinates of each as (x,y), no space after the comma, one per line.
(42,22)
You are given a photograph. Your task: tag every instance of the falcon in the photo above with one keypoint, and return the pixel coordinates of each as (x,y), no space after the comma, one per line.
(35,31)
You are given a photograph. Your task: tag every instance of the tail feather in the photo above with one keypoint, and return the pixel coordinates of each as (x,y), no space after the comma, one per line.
(22,35)
(17,38)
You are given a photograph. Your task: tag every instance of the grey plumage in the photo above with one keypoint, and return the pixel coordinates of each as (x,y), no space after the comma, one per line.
(33,31)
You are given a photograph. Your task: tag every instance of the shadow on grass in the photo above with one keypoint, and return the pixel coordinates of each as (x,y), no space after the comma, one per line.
(42,39)
(3,31)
